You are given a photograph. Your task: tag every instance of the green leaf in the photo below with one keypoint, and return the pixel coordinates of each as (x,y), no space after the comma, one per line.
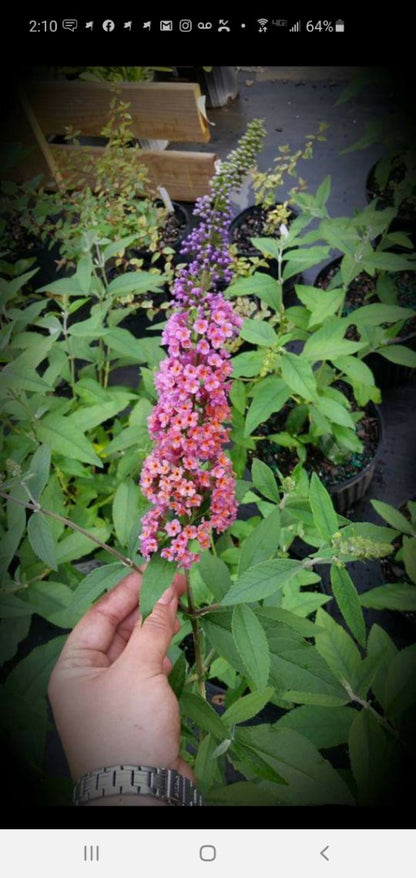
(261,580)
(11,606)
(12,632)
(238,396)
(262,542)
(240,794)
(298,375)
(251,642)
(125,344)
(258,332)
(348,600)
(400,689)
(299,259)
(302,675)
(398,353)
(377,314)
(328,342)
(117,247)
(323,726)
(409,557)
(335,412)
(76,545)
(370,752)
(157,577)
(177,676)
(41,539)
(393,517)
(125,509)
(54,431)
(260,285)
(310,779)
(269,396)
(215,574)
(247,707)
(84,272)
(206,769)
(264,480)
(39,471)
(66,286)
(321,304)
(88,417)
(134,282)
(48,598)
(203,715)
(90,588)
(391,596)
(355,369)
(324,515)
(338,649)
(382,650)
(248,364)
(30,678)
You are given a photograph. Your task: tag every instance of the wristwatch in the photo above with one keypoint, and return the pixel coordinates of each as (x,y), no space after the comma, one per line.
(137,780)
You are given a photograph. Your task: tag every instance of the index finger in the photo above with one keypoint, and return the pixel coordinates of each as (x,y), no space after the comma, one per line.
(97,629)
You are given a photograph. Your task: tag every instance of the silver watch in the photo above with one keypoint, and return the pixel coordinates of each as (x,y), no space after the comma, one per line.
(136,780)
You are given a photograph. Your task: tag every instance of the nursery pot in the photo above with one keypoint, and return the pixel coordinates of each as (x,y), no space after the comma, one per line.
(184,227)
(386,374)
(219,84)
(347,490)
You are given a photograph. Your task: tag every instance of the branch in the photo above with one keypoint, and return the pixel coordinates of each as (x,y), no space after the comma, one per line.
(35,507)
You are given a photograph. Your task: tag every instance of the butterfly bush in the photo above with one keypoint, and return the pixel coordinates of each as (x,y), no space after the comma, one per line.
(188,477)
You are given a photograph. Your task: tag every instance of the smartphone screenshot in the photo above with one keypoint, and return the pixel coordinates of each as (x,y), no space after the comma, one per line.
(208,479)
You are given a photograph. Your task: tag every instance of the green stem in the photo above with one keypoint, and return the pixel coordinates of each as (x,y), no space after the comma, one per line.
(69,352)
(197,637)
(34,507)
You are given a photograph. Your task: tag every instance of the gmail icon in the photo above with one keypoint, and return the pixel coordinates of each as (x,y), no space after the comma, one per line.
(166,25)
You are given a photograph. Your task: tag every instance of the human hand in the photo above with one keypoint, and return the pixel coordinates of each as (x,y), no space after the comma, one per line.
(109,691)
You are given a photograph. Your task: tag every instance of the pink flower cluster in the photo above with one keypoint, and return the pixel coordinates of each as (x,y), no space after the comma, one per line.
(187,476)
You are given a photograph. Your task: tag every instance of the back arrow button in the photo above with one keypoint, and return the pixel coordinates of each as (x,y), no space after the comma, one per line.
(323,854)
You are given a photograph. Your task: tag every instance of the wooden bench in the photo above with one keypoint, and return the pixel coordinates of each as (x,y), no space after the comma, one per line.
(167,111)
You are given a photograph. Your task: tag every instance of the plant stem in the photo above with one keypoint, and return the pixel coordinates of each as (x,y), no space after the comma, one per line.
(34,507)
(197,637)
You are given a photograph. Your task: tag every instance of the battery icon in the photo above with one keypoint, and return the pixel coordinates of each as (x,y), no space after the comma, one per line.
(339,26)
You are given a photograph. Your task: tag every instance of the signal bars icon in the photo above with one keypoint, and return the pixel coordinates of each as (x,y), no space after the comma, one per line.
(296,27)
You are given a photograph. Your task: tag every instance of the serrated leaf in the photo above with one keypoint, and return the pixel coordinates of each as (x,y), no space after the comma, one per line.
(251,642)
(338,649)
(269,396)
(261,543)
(258,332)
(348,600)
(369,750)
(328,342)
(215,574)
(12,632)
(335,412)
(298,375)
(125,509)
(90,588)
(324,727)
(54,431)
(247,707)
(393,517)
(324,515)
(203,715)
(261,580)
(391,596)
(134,282)
(39,471)
(302,675)
(400,354)
(41,539)
(400,688)
(264,480)
(157,577)
(261,285)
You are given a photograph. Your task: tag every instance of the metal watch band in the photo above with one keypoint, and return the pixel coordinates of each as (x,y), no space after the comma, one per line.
(137,780)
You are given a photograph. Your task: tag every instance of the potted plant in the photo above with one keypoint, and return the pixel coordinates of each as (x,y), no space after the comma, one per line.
(377,286)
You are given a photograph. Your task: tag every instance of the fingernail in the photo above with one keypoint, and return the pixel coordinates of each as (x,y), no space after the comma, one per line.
(167,595)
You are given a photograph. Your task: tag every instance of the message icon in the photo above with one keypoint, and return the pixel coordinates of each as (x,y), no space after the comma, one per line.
(166,25)
(70,24)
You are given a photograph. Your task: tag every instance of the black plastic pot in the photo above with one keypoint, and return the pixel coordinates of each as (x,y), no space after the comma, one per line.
(219,84)
(386,374)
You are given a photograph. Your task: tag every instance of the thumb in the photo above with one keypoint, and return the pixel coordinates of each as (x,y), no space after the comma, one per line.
(150,641)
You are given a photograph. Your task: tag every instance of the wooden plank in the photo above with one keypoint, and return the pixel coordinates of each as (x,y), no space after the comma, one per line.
(186,175)
(164,111)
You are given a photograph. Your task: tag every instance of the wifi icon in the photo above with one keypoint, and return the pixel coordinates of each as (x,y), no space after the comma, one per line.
(263,24)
